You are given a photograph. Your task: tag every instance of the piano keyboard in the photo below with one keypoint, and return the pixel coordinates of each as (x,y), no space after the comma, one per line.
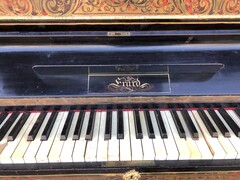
(119,135)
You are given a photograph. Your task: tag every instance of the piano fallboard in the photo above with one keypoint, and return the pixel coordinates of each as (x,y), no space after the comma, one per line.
(187,62)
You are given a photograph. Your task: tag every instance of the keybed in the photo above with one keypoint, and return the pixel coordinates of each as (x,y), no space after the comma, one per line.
(119,135)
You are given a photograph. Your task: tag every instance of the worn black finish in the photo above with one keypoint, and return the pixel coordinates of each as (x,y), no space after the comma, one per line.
(47,63)
(118,167)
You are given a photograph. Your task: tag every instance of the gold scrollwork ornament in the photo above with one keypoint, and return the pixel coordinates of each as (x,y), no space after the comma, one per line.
(131,175)
(60,7)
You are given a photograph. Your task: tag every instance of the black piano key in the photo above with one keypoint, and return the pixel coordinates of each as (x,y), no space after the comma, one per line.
(18,126)
(228,119)
(6,126)
(36,126)
(90,127)
(138,128)
(108,126)
(211,129)
(120,125)
(78,128)
(150,130)
(191,127)
(237,111)
(49,126)
(160,123)
(67,125)
(219,123)
(3,116)
(178,124)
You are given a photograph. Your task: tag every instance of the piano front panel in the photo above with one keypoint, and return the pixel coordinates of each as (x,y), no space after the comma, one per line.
(166,63)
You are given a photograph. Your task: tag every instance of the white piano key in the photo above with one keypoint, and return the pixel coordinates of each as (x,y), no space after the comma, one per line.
(159,147)
(215,147)
(201,143)
(233,139)
(192,146)
(7,152)
(17,156)
(30,154)
(234,117)
(80,145)
(68,146)
(102,150)
(184,153)
(4,141)
(4,121)
(136,144)
(147,143)
(55,151)
(113,143)
(43,151)
(125,144)
(171,147)
(231,153)
(91,149)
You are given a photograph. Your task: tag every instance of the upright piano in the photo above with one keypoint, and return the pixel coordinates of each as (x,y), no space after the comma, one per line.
(119,87)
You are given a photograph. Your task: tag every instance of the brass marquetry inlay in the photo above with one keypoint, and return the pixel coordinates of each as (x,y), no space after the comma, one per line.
(62,10)
(68,7)
(128,84)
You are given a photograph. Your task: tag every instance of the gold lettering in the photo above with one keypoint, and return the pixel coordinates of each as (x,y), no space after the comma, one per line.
(118,81)
(128,84)
(126,68)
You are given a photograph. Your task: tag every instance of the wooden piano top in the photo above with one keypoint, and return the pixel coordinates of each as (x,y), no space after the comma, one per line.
(118,11)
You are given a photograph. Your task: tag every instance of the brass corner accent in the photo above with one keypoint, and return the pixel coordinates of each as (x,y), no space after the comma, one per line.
(131,175)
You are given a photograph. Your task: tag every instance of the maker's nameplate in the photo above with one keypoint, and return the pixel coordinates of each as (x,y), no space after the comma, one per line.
(130,83)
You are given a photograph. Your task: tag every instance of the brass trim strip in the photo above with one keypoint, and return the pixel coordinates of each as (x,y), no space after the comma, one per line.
(119,19)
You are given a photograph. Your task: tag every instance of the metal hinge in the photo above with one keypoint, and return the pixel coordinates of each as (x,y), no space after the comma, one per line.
(119,33)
